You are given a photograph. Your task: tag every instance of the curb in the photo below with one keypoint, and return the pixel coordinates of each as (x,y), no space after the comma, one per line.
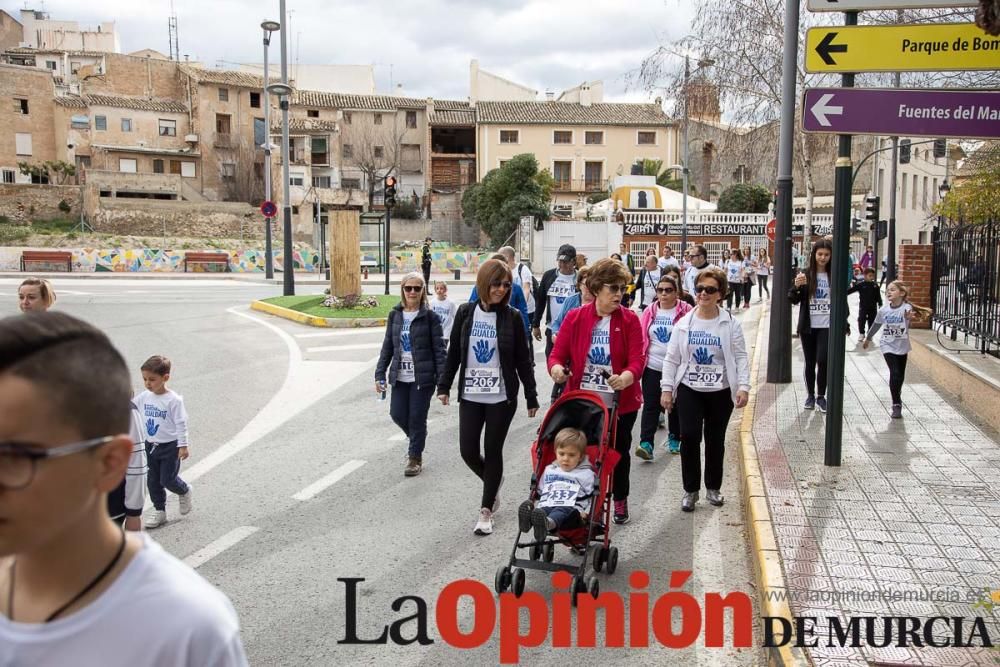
(314,321)
(767,568)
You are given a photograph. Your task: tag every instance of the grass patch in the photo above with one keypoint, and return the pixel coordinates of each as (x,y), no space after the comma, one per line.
(313,305)
(54,226)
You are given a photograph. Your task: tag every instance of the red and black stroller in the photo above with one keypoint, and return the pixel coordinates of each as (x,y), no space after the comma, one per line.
(591,541)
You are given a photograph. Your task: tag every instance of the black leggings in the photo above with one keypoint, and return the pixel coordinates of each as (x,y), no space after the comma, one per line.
(557,389)
(623,445)
(734,293)
(762,286)
(866,318)
(651,409)
(897,373)
(814,345)
(496,418)
(703,412)
(747,291)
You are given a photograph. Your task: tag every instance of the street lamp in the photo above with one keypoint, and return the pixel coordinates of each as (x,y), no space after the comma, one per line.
(268,27)
(704,62)
(284,91)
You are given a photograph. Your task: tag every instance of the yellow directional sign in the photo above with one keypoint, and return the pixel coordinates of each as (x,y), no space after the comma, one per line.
(901,48)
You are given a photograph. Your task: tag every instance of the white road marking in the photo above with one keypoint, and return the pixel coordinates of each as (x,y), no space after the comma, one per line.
(326,482)
(339,348)
(207,553)
(63,292)
(344,332)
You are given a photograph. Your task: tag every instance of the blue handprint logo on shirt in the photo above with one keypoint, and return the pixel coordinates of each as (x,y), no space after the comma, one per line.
(404,341)
(822,293)
(599,357)
(484,353)
(151,427)
(662,334)
(702,357)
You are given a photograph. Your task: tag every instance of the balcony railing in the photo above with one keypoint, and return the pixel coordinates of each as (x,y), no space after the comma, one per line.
(223,140)
(581,185)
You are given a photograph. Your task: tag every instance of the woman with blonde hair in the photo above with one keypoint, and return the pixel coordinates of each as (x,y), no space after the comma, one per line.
(488,351)
(413,354)
(35,295)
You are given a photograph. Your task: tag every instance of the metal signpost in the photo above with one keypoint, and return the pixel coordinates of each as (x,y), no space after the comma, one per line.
(854,5)
(929,47)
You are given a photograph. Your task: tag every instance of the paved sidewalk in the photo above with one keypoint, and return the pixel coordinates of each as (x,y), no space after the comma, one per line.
(909,525)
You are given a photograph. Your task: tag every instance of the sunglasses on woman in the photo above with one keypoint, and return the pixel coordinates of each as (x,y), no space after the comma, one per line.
(707,289)
(617,289)
(665,290)
(500,283)
(413,288)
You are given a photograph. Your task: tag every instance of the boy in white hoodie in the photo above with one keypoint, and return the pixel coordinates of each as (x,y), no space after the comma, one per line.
(566,486)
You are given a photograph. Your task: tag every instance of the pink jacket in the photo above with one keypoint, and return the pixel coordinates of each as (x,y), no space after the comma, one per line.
(648,315)
(573,344)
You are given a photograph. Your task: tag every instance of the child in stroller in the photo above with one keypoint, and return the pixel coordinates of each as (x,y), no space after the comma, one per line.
(566,486)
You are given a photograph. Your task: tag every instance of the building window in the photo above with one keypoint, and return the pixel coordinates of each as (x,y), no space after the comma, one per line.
(348,151)
(157,166)
(187,169)
(902,199)
(934,192)
(127,165)
(562,137)
(411,119)
(319,151)
(914,191)
(22,141)
(223,123)
(509,136)
(593,138)
(321,182)
(175,167)
(379,152)
(593,174)
(350,183)
(228,171)
(50,64)
(924,193)
(646,138)
(126,124)
(223,94)
(562,173)
(922,238)
(21,106)
(254,100)
(296,179)
(168,128)
(378,119)
(8,175)
(74,67)
(312,113)
(100,122)
(347,117)
(409,159)
(259,132)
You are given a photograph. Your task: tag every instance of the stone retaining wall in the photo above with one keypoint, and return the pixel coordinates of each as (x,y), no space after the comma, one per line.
(147,217)
(22,203)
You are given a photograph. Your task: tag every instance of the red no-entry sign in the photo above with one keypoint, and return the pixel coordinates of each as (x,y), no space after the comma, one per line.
(269,209)
(772,226)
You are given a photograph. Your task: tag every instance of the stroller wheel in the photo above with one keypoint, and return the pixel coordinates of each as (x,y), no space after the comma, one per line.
(612,560)
(502,581)
(535,552)
(600,557)
(517,582)
(594,587)
(549,552)
(579,586)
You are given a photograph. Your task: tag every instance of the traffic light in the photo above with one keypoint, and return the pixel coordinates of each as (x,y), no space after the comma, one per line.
(390,191)
(940,147)
(904,151)
(882,229)
(871,208)
(855,226)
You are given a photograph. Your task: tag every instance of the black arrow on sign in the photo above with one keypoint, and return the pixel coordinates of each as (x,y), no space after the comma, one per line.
(826,47)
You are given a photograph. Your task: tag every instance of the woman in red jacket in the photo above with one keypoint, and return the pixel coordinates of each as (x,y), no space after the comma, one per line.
(600,337)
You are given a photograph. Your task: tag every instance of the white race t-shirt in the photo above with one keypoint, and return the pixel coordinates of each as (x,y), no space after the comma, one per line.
(667,262)
(819,304)
(761,266)
(733,268)
(691,276)
(561,288)
(157,612)
(895,335)
(483,380)
(648,286)
(599,361)
(164,417)
(522,278)
(660,329)
(445,309)
(406,373)
(706,370)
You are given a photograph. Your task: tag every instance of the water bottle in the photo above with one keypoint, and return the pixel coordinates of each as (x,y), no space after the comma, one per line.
(380,397)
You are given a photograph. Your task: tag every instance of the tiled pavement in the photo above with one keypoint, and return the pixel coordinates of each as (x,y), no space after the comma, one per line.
(909,525)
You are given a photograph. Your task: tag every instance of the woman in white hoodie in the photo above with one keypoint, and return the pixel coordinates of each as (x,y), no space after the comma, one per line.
(705,374)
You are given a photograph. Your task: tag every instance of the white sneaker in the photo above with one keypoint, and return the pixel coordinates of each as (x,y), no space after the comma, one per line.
(485,524)
(156,518)
(185,501)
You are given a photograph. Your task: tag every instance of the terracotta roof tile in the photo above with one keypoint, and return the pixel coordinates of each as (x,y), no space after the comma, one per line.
(564,113)
(71,102)
(352,102)
(224,76)
(137,103)
(452,117)
(305,125)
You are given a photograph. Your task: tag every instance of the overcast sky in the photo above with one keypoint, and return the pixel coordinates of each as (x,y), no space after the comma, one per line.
(545,44)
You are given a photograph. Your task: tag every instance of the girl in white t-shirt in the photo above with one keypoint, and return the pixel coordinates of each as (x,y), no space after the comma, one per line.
(762,265)
(894,320)
(734,275)
(811,291)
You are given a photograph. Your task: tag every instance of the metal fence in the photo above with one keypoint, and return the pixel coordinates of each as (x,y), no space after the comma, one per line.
(965,284)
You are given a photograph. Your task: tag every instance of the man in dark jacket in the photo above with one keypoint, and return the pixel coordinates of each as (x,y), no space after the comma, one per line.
(556,285)
(425,260)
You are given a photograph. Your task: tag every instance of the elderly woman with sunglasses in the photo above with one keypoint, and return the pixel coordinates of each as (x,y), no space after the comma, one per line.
(657,324)
(599,349)
(413,353)
(706,372)
(489,352)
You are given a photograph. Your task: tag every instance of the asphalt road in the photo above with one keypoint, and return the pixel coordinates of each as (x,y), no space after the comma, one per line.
(297,477)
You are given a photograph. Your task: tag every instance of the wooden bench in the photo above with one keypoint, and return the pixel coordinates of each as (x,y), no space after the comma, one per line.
(206,258)
(49,257)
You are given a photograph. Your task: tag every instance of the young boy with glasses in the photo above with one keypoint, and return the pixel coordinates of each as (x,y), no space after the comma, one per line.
(74,588)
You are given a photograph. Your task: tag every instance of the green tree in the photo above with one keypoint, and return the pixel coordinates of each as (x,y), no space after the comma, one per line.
(976,194)
(744,198)
(497,203)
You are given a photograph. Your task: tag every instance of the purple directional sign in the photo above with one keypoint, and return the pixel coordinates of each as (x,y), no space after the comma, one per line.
(970,114)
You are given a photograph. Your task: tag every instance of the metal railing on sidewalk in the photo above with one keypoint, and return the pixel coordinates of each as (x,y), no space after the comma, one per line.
(965,284)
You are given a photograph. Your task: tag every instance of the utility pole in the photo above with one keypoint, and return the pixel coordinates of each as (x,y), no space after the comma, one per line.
(840,274)
(890,260)
(288,277)
(779,343)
